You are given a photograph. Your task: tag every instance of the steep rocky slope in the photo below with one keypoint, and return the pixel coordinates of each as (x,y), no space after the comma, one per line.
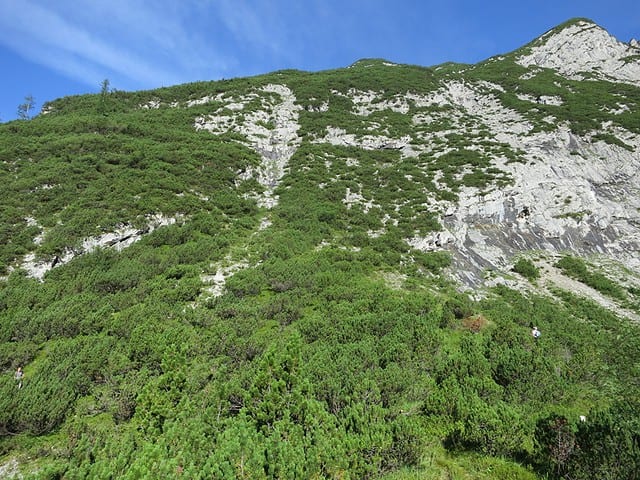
(570,190)
(329,274)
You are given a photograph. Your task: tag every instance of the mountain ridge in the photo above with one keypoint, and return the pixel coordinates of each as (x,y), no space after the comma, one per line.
(562,228)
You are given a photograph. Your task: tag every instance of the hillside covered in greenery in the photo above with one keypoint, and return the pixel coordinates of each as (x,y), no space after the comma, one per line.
(230,280)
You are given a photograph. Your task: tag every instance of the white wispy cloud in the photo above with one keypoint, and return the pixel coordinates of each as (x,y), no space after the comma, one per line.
(251,23)
(274,32)
(147,44)
(144,45)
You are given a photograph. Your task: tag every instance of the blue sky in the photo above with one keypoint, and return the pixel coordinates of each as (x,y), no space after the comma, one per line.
(54,48)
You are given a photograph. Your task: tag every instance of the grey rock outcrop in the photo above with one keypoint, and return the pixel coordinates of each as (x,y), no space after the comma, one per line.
(118,239)
(271,131)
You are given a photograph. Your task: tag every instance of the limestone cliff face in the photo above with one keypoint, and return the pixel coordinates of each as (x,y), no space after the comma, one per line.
(570,192)
(573,195)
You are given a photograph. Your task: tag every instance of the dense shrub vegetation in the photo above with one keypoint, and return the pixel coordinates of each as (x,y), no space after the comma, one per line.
(526,268)
(338,351)
(577,268)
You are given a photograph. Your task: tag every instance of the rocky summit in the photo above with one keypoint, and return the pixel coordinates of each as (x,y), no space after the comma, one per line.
(297,258)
